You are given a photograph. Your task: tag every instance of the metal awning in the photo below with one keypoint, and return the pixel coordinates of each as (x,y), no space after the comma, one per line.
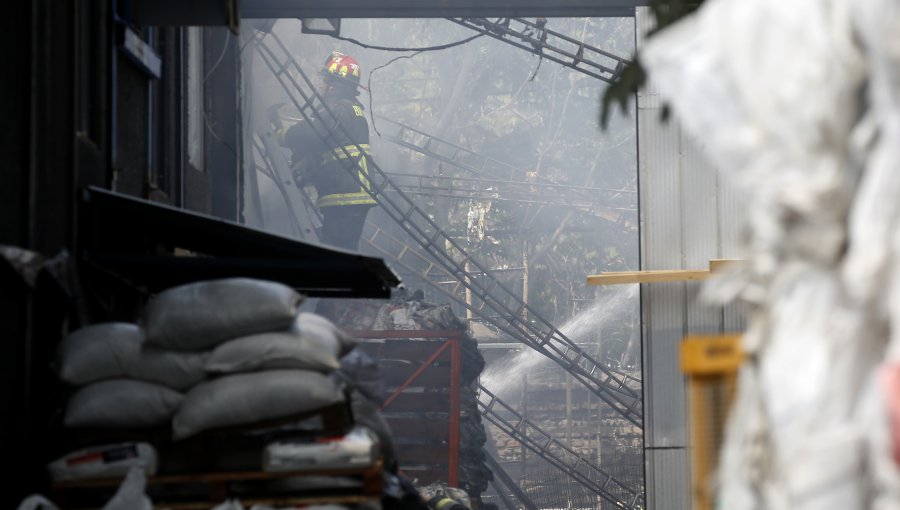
(156,246)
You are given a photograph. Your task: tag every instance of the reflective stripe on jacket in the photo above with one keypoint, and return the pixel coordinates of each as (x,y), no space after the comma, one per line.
(338,156)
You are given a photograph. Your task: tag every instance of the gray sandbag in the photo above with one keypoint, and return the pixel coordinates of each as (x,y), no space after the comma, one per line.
(314,350)
(116,350)
(121,403)
(202,315)
(250,398)
(313,324)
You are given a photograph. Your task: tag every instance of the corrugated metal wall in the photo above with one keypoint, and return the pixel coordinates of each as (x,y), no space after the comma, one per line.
(687,218)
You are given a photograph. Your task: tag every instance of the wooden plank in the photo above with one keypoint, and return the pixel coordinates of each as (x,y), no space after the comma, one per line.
(660,276)
(716,265)
(675,275)
(204,489)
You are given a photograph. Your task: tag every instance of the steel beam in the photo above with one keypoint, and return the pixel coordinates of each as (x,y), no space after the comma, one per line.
(437,8)
(560,48)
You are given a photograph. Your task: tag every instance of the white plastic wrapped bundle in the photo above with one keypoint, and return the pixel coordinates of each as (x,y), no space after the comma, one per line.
(104,461)
(130,495)
(358,448)
(774,109)
(246,399)
(115,350)
(121,403)
(316,351)
(773,90)
(873,265)
(202,315)
(810,377)
(36,502)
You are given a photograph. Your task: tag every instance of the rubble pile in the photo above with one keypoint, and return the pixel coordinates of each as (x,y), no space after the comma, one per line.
(410,311)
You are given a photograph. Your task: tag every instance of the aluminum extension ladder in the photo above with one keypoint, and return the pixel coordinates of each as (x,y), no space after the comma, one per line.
(532,37)
(580,469)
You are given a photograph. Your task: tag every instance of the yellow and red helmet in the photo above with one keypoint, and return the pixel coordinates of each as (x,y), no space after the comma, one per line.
(341,68)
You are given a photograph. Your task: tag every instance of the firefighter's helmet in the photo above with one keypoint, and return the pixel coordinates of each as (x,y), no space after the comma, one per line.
(342,69)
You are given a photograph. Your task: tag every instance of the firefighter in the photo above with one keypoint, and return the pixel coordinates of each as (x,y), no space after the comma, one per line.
(342,196)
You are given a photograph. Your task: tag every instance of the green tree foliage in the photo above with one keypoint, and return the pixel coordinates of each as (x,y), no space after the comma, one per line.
(634,76)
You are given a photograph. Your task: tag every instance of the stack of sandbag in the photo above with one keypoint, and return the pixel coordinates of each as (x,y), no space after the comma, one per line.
(123,383)
(205,355)
(263,359)
(217,355)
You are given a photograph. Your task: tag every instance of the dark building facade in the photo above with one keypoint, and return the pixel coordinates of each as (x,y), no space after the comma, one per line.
(93,98)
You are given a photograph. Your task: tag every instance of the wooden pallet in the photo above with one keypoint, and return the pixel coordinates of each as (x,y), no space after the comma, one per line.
(199,472)
(218,488)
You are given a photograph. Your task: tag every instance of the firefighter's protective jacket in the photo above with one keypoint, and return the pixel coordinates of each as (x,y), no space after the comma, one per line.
(326,164)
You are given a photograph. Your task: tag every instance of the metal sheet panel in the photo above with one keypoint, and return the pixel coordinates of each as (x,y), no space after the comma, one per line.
(732,214)
(660,182)
(687,218)
(699,229)
(663,305)
(734,318)
(668,479)
(664,388)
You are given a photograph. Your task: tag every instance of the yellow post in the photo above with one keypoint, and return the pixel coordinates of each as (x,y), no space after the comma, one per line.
(711,363)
